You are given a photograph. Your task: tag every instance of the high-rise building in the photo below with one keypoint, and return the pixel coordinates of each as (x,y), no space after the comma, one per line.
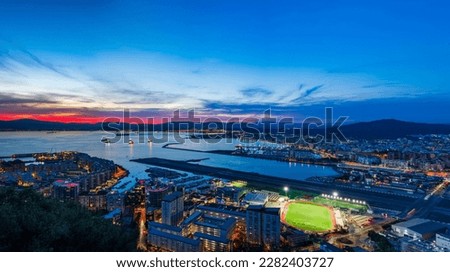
(271,228)
(155,195)
(115,200)
(172,208)
(93,201)
(263,226)
(65,190)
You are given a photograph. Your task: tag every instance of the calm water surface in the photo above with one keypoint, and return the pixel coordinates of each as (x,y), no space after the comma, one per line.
(121,153)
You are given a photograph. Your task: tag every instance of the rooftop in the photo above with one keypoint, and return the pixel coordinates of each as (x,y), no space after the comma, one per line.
(222,209)
(65,183)
(262,209)
(172,197)
(113,213)
(446,235)
(214,222)
(156,225)
(412,222)
(179,238)
(428,227)
(256,197)
(191,218)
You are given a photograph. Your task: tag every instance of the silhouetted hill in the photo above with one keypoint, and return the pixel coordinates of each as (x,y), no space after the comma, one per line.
(391,129)
(36,125)
(381,129)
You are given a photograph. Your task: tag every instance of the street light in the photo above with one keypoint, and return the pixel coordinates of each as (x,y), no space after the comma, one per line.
(286,189)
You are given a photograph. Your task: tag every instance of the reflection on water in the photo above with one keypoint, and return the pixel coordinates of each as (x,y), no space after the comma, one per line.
(121,153)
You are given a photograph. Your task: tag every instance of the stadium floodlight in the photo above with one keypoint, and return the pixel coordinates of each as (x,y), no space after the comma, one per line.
(286,189)
(335,194)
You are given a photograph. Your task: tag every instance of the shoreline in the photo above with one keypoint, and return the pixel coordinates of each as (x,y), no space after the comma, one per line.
(256,180)
(333,165)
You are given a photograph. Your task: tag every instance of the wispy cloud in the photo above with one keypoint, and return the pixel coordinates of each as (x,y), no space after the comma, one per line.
(146,82)
(252,92)
(16,100)
(305,94)
(43,64)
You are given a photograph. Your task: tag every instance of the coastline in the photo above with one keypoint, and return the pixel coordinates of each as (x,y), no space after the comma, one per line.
(333,165)
(377,199)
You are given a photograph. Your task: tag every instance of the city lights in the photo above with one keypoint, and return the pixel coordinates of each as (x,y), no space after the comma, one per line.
(335,196)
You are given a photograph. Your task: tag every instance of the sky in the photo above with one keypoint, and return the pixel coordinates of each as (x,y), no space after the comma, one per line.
(85,60)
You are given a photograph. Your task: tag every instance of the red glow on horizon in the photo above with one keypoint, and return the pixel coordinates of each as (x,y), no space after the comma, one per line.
(80,119)
(53,118)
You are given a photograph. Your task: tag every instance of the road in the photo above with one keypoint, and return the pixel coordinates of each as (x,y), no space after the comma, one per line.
(438,189)
(142,239)
(358,236)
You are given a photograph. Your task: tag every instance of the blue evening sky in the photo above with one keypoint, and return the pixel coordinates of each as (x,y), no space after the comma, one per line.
(367,59)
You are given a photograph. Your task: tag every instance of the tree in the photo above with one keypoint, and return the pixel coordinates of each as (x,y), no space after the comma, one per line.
(30,222)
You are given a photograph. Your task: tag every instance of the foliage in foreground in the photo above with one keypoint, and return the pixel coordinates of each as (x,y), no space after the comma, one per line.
(30,222)
(381,242)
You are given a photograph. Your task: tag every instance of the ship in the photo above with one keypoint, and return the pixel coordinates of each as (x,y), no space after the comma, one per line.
(106,140)
(123,133)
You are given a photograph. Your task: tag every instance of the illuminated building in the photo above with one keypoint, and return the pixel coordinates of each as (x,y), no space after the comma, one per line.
(65,190)
(93,201)
(213,232)
(263,226)
(172,208)
(222,211)
(213,243)
(231,193)
(256,198)
(169,238)
(419,228)
(155,195)
(115,200)
(443,240)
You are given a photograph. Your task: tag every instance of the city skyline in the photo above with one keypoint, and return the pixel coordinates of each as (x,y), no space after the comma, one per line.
(82,61)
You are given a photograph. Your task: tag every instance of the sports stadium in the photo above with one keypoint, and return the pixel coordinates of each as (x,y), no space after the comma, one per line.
(309,216)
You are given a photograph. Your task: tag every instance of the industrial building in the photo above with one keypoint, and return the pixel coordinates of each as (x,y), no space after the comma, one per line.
(419,228)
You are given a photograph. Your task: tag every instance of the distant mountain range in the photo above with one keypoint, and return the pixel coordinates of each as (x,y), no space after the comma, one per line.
(36,125)
(380,129)
(392,129)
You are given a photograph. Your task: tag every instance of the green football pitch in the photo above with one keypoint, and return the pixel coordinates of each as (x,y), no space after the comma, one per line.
(309,216)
